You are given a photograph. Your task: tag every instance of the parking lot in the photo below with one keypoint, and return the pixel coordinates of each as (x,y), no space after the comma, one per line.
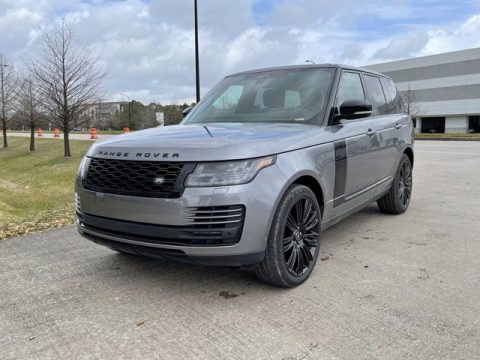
(391,287)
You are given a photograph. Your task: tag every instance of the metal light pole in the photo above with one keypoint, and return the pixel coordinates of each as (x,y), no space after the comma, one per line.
(197,60)
(311,62)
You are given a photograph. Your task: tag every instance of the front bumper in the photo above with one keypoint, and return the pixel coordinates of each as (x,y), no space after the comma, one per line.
(147,225)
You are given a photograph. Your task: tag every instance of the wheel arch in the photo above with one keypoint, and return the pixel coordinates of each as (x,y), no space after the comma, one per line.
(409,152)
(307,179)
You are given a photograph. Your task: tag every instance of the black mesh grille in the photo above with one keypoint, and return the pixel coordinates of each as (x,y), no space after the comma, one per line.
(137,178)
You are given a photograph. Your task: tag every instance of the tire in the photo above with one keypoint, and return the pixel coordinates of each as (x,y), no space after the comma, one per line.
(397,199)
(293,244)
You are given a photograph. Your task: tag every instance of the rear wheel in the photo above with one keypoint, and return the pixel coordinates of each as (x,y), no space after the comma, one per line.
(396,201)
(294,239)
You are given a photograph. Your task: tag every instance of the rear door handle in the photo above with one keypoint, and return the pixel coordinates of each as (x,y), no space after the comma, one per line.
(398,126)
(371,132)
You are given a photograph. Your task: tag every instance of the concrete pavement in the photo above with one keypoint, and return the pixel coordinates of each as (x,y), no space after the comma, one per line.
(386,287)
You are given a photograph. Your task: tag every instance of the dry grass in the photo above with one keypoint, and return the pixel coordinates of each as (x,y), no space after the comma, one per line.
(36,189)
(453,136)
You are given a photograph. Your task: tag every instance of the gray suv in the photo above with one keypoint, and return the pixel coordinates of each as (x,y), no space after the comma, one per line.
(256,170)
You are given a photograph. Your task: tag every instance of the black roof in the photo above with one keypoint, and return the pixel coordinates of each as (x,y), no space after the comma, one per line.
(308,66)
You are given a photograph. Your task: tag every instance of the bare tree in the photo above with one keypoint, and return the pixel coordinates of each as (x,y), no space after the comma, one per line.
(7,95)
(68,78)
(411,102)
(28,104)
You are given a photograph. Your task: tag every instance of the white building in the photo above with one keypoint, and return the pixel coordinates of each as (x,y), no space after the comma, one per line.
(444,89)
(100,114)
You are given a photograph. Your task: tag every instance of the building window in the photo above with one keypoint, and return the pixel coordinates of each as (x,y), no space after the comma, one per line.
(474,123)
(433,125)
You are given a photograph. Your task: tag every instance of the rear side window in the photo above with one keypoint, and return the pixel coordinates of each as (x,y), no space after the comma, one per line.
(392,93)
(375,95)
(350,88)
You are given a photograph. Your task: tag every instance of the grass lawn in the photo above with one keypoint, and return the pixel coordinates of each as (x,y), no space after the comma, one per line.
(36,189)
(456,136)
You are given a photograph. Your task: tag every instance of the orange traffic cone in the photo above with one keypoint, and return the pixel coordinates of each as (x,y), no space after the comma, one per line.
(93,133)
(56,133)
(39,132)
(126,129)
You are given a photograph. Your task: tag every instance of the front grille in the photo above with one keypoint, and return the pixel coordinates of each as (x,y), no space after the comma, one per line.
(137,178)
(216,217)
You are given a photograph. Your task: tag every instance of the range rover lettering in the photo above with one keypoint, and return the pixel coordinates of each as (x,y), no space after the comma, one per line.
(266,161)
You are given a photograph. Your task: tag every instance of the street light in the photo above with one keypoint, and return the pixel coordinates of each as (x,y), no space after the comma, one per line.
(129,113)
(197,57)
(311,62)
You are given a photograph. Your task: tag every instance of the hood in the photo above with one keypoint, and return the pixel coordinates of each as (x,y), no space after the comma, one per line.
(209,142)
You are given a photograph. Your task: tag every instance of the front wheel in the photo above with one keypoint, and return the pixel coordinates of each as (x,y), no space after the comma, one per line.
(294,239)
(397,199)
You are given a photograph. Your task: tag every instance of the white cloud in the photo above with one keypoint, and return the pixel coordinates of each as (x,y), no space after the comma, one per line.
(148,46)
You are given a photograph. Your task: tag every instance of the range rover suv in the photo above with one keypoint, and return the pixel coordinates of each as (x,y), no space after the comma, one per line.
(255,171)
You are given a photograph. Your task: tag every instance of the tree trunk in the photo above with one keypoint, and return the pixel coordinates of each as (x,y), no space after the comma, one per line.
(66,143)
(4,127)
(32,136)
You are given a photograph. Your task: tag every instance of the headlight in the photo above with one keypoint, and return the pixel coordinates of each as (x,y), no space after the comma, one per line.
(82,168)
(227,172)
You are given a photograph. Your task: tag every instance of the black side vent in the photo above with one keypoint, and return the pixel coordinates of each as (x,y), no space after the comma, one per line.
(217,217)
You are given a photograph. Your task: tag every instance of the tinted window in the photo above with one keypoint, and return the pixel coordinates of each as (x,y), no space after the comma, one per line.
(350,88)
(392,93)
(375,95)
(229,98)
(267,96)
(390,104)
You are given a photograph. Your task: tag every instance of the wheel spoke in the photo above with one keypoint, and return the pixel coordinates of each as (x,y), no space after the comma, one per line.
(307,211)
(300,262)
(311,242)
(291,259)
(312,223)
(287,246)
(287,243)
(307,255)
(291,223)
(299,211)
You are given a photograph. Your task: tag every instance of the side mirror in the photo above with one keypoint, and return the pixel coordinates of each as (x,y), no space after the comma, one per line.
(354,109)
(186,111)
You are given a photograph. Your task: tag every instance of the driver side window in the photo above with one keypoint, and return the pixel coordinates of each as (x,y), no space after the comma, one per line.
(349,88)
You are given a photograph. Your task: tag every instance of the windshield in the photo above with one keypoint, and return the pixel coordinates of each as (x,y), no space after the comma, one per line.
(272,96)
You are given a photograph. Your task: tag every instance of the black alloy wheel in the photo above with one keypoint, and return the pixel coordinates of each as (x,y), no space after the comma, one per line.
(405,183)
(293,243)
(300,237)
(397,199)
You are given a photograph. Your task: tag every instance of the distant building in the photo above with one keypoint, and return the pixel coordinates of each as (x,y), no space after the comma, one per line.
(444,89)
(100,115)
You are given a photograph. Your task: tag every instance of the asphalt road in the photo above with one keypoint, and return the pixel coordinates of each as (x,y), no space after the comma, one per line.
(388,287)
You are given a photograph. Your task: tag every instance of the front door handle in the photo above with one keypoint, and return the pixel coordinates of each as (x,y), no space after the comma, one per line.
(398,126)
(371,132)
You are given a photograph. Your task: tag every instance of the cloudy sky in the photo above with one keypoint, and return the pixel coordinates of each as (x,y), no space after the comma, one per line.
(147,46)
